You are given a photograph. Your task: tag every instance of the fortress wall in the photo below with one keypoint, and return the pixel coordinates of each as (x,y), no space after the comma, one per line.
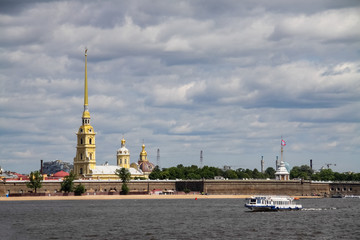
(266,187)
(345,188)
(20,187)
(90,186)
(241,187)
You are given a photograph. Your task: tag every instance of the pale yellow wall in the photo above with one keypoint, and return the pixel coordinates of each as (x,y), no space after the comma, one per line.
(123,161)
(85,158)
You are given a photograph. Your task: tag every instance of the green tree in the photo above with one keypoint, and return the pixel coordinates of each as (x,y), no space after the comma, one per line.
(67,184)
(79,189)
(257,174)
(326,175)
(249,173)
(176,173)
(125,189)
(125,176)
(165,174)
(193,176)
(207,173)
(230,174)
(35,181)
(241,173)
(295,172)
(341,177)
(155,174)
(303,172)
(216,171)
(270,173)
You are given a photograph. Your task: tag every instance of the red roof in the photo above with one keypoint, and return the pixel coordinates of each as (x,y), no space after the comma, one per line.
(61,174)
(20,175)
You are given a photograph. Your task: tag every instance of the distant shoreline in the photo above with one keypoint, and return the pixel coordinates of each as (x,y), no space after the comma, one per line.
(113,197)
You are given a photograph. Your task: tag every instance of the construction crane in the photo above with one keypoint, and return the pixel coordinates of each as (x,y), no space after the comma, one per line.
(329,164)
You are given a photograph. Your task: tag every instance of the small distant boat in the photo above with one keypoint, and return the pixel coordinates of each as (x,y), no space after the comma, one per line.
(351,196)
(337,196)
(271,203)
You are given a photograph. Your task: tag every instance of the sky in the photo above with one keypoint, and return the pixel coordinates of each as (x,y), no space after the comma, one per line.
(229,78)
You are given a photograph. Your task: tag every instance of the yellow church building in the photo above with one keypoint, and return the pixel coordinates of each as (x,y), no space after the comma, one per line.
(85,159)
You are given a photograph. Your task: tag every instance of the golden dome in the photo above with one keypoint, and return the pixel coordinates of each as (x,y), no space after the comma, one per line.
(143,152)
(86,114)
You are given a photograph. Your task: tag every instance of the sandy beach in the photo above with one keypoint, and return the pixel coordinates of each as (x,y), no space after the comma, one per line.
(112,197)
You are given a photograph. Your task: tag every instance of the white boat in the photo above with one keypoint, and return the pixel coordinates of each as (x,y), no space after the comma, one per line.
(271,203)
(351,196)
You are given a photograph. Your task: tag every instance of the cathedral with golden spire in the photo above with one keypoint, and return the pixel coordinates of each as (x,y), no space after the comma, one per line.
(85,159)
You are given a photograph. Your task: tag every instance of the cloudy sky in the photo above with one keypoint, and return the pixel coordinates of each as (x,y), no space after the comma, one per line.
(225,77)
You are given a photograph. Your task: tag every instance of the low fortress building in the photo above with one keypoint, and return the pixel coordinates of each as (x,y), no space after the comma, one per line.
(233,187)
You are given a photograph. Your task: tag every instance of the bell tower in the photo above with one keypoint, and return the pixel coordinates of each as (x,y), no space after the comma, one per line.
(85,160)
(123,156)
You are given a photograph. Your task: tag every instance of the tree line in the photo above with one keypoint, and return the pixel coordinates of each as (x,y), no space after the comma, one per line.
(306,173)
(193,172)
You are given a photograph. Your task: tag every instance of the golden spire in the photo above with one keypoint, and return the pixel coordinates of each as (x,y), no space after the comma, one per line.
(86,113)
(86,87)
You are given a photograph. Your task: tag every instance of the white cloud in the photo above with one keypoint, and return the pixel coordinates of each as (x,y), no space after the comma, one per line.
(228,79)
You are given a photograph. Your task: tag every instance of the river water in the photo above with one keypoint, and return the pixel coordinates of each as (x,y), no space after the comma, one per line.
(327,218)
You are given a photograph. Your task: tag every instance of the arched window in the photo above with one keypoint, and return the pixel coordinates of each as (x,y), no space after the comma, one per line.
(89,140)
(90,156)
(81,156)
(81,171)
(120,161)
(81,141)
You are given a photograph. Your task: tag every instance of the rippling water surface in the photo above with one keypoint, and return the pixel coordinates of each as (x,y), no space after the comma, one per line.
(177,219)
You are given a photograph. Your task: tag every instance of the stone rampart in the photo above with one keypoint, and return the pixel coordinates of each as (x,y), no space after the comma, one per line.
(266,187)
(345,188)
(242,187)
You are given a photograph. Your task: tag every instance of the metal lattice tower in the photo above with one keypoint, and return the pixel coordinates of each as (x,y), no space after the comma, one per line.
(158,158)
(201,159)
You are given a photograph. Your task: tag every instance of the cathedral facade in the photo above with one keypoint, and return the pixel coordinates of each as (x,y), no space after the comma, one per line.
(85,159)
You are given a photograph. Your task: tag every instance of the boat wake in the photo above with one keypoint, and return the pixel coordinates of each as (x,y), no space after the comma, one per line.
(318,209)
